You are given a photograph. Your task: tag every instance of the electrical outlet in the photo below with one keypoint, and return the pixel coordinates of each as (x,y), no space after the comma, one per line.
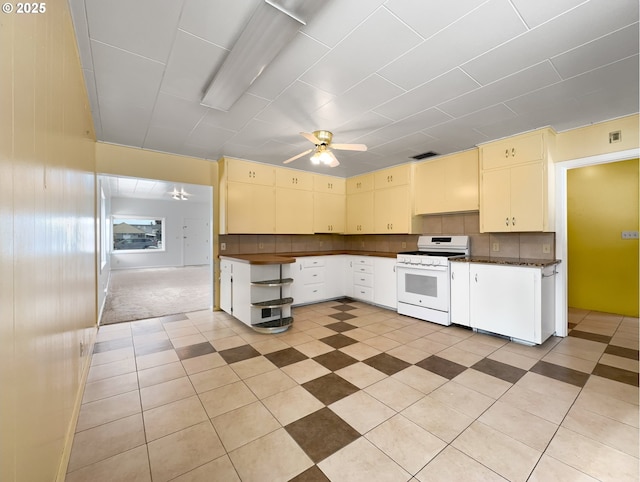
(546,248)
(629,234)
(362,244)
(321,244)
(495,247)
(260,245)
(404,244)
(223,246)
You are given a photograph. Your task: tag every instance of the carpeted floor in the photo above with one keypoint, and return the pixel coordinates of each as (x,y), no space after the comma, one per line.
(136,294)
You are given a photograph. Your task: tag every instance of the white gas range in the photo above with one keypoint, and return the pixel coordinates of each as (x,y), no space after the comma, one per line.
(424,277)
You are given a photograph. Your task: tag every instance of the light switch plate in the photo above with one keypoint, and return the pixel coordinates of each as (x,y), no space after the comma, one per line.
(223,246)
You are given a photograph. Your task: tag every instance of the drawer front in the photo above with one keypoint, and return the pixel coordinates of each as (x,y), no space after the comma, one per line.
(313,275)
(362,279)
(312,262)
(363,269)
(313,292)
(364,293)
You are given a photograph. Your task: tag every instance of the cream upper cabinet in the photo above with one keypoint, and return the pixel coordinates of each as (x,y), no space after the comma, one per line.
(361,183)
(394,176)
(515,150)
(329,204)
(392,208)
(518,196)
(250,208)
(292,179)
(330,184)
(447,184)
(294,211)
(360,212)
(250,172)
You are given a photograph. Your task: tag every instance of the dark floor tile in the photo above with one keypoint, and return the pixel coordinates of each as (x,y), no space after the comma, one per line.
(386,363)
(146,327)
(168,318)
(617,374)
(623,352)
(321,434)
(312,474)
(153,347)
(240,353)
(344,307)
(340,326)
(342,316)
(590,336)
(335,360)
(500,370)
(330,388)
(338,341)
(193,351)
(109,345)
(563,374)
(572,325)
(288,356)
(440,366)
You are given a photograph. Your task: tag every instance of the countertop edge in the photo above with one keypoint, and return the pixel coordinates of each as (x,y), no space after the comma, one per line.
(287,258)
(524,262)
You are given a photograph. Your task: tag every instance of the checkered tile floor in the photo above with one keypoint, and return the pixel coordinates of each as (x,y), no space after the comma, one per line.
(354,392)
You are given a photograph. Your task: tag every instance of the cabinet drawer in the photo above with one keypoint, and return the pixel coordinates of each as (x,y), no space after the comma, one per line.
(313,275)
(363,261)
(312,262)
(357,268)
(313,292)
(364,293)
(362,279)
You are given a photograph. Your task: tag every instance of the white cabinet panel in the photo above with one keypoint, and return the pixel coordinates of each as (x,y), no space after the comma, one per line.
(459,309)
(385,290)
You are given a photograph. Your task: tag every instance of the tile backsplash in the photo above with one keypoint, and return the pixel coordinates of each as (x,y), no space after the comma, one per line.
(509,245)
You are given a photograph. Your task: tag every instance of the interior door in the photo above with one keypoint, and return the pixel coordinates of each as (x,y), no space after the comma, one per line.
(195,241)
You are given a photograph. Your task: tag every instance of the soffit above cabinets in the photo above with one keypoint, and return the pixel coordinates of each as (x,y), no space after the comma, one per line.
(403,77)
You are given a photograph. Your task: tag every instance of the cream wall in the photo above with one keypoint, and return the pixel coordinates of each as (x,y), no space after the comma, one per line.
(47,241)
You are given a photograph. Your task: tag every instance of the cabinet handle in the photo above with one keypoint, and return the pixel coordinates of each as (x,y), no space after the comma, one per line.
(506,222)
(513,221)
(506,153)
(300,267)
(513,152)
(453,275)
(476,277)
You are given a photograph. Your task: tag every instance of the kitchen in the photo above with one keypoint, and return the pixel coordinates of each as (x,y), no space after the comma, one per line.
(108,88)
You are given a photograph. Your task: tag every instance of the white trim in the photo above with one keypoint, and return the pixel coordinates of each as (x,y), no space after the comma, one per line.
(561,169)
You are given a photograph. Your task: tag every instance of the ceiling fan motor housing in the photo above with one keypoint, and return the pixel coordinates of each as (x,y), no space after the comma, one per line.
(324,137)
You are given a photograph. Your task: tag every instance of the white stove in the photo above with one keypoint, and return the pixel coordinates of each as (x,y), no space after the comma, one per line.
(424,280)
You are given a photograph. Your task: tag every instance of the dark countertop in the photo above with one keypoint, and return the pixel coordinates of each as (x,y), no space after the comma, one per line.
(527,262)
(286,258)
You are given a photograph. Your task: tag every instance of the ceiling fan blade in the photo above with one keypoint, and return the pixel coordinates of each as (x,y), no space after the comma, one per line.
(311,138)
(349,147)
(298,156)
(334,161)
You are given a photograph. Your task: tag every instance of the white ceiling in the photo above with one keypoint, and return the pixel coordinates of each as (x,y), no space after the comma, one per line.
(402,76)
(129,187)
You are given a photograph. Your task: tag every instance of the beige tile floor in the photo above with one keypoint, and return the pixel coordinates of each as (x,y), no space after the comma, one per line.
(357,393)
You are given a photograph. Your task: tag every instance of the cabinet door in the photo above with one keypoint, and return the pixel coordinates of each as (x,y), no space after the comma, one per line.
(294,211)
(513,151)
(360,184)
(503,300)
(225,286)
(527,200)
(328,212)
(385,289)
(250,172)
(394,176)
(334,276)
(459,308)
(392,210)
(330,184)
(292,179)
(461,180)
(495,205)
(250,208)
(360,213)
(430,188)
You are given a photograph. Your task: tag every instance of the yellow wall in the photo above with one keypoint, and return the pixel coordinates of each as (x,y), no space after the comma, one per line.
(602,201)
(47,240)
(593,140)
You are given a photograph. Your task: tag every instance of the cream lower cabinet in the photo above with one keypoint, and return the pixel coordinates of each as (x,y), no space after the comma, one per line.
(250,208)
(513,199)
(294,211)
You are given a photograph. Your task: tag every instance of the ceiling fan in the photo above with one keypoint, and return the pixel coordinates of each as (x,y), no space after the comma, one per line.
(180,195)
(322,153)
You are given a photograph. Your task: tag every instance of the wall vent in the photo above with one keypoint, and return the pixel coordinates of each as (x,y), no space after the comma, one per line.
(424,155)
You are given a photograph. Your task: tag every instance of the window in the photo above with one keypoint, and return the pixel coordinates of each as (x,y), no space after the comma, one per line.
(137,233)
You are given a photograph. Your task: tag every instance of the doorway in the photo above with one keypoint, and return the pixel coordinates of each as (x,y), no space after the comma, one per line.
(561,174)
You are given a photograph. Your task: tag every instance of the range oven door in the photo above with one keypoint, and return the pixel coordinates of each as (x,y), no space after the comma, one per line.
(425,287)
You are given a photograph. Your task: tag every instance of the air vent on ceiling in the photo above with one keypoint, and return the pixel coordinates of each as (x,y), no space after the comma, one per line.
(424,155)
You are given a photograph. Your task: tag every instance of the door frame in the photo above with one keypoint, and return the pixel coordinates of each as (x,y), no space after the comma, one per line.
(561,168)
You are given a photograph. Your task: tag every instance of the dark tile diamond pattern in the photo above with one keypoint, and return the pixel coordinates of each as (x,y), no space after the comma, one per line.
(617,374)
(335,360)
(285,357)
(342,316)
(192,351)
(112,345)
(564,374)
(344,307)
(440,366)
(322,434)
(312,474)
(623,352)
(590,336)
(338,341)
(386,363)
(499,370)
(153,347)
(240,353)
(330,388)
(340,326)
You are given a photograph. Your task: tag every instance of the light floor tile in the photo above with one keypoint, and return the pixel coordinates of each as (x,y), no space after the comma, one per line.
(609,407)
(156,359)
(568,361)
(360,374)
(513,359)
(111,356)
(201,363)
(548,408)
(252,367)
(437,418)
(183,451)
(269,346)
(173,417)
(549,468)
(314,348)
(462,399)
(511,459)
(394,393)
(361,461)
(407,443)
(292,404)
(481,382)
(108,370)
(548,387)
(381,343)
(362,411)
(593,458)
(360,351)
(108,387)
(226,398)
(461,357)
(275,456)
(214,378)
(451,465)
(166,392)
(270,383)
(160,374)
(613,389)
(408,354)
(109,409)
(243,425)
(132,465)
(620,362)
(218,470)
(305,371)
(422,380)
